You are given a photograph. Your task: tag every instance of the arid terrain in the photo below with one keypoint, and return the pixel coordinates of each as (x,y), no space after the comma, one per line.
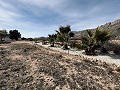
(25,66)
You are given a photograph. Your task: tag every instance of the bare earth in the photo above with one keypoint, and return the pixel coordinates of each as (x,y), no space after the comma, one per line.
(26,66)
(109,58)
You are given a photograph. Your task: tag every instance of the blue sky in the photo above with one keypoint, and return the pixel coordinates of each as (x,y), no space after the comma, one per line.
(35,18)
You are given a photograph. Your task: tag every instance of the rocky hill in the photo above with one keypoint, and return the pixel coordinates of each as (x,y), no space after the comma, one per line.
(113,27)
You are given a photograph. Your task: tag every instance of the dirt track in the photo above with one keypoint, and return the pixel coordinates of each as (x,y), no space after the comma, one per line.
(24,66)
(108,58)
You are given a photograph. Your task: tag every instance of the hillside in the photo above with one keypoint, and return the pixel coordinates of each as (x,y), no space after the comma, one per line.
(113,27)
(25,66)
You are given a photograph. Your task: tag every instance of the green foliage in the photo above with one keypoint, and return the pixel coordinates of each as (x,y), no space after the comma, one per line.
(14,34)
(30,39)
(73,44)
(112,46)
(23,38)
(101,36)
(81,46)
(78,45)
(40,38)
(60,38)
(71,34)
(116,51)
(64,34)
(64,30)
(52,39)
(89,33)
(3,34)
(95,40)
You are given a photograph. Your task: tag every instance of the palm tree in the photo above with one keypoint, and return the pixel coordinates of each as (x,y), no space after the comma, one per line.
(3,34)
(101,38)
(90,43)
(64,34)
(52,39)
(95,40)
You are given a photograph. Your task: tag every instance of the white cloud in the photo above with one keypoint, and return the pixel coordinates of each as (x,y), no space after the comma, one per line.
(12,16)
(57,6)
(8,12)
(27,29)
(5,5)
(43,3)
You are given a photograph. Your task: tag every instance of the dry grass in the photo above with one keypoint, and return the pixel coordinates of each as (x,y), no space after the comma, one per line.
(24,66)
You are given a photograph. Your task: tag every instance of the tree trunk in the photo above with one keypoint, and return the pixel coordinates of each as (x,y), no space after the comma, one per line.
(65,46)
(52,45)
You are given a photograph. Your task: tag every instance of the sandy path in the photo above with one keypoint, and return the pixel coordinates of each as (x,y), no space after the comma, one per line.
(112,59)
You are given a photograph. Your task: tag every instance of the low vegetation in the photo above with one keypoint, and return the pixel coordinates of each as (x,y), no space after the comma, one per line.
(52,39)
(63,36)
(114,45)
(94,41)
(13,34)
(3,34)
(90,42)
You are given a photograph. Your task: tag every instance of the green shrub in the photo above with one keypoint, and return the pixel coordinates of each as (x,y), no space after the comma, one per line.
(113,47)
(81,46)
(73,44)
(78,45)
(116,51)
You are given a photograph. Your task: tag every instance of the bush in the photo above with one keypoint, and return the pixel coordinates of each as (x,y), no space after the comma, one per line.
(23,38)
(113,47)
(81,46)
(73,44)
(116,51)
(104,50)
(78,45)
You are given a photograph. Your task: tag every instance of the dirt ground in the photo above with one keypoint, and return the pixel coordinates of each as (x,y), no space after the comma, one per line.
(25,66)
(106,57)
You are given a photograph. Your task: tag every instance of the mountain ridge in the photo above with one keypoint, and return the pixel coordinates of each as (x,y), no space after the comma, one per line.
(112,27)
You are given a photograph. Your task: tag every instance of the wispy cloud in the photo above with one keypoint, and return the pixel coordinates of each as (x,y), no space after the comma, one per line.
(36,18)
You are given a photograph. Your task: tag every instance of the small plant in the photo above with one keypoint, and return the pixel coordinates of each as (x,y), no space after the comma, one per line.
(52,39)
